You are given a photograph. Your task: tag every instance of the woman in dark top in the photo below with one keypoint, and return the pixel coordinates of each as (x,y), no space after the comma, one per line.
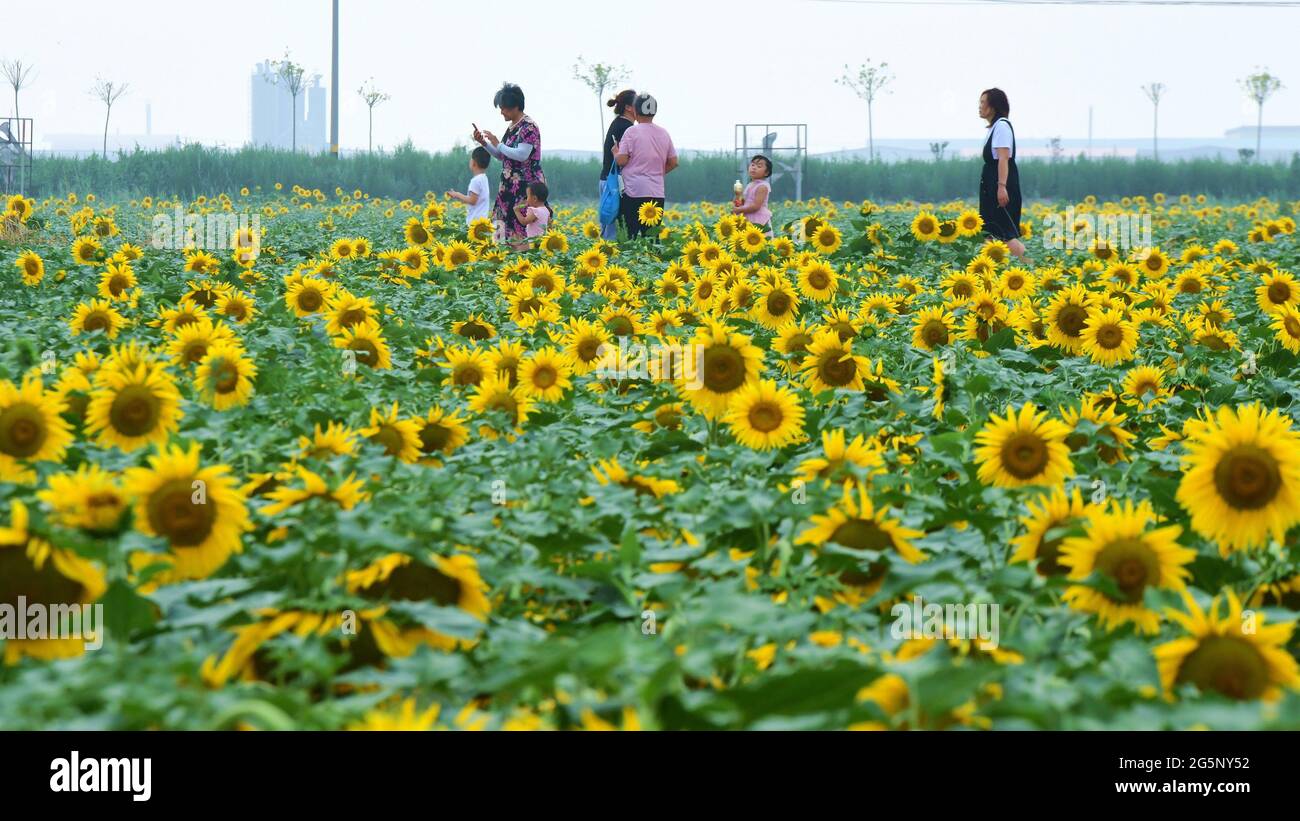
(1000,180)
(520,151)
(622,121)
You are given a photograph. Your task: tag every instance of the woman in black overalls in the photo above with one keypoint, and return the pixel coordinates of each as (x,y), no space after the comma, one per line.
(999,180)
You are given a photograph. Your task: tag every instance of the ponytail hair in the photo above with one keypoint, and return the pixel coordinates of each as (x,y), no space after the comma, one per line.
(542,193)
(620,101)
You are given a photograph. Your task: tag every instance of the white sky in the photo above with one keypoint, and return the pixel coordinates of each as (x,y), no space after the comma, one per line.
(711,63)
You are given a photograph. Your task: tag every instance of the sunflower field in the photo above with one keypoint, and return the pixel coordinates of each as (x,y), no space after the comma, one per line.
(364,467)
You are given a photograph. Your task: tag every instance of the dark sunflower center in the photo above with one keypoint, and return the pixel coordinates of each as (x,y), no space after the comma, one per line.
(96,321)
(668,418)
(861,534)
(225,376)
(1227,665)
(1247,477)
(1279,292)
(1025,455)
(963,289)
(1292,327)
(135,411)
(588,349)
(352,316)
(473,330)
(415,581)
(1110,337)
(367,353)
(433,438)
(544,376)
(724,369)
(934,333)
(22,431)
(310,300)
(390,438)
(1132,565)
(468,375)
(836,369)
(1070,319)
(818,280)
(619,326)
(173,513)
(765,417)
(45,586)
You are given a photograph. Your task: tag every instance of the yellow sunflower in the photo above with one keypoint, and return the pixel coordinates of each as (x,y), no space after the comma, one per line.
(97,315)
(1241,477)
(1120,545)
(199,511)
(225,376)
(132,405)
(399,437)
(763,416)
(830,364)
(32,428)
(1025,448)
(727,361)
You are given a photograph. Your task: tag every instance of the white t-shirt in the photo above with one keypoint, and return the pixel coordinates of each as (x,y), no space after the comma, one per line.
(478,185)
(1002,138)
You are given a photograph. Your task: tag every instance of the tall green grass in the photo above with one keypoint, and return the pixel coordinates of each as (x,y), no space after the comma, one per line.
(406,172)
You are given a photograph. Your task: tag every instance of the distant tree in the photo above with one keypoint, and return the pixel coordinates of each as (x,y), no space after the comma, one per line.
(17,74)
(1245,154)
(107,92)
(867,83)
(1054,145)
(1259,87)
(290,73)
(600,78)
(373,97)
(1154,92)
(937,150)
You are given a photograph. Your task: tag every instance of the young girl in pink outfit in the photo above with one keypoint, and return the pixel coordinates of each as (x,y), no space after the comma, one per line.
(755,205)
(535,213)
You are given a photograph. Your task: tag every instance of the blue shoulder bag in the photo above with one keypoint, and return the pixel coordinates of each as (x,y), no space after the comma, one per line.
(610,197)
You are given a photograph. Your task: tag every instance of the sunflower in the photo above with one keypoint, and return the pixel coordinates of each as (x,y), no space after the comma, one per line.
(349,493)
(495,394)
(1108,338)
(826,239)
(1066,317)
(1286,322)
(765,416)
(1145,386)
(586,344)
(344,310)
(474,327)
(610,472)
(727,362)
(856,524)
(86,251)
(1119,544)
(1276,289)
(1025,448)
(1232,656)
(132,405)
(34,572)
(441,432)
(96,315)
(225,376)
(839,457)
(335,440)
(1241,477)
(457,254)
(1051,513)
(32,428)
(831,364)
(31,266)
(1154,263)
(399,437)
(668,416)
(446,581)
(367,343)
(468,366)
(191,342)
(90,499)
(1016,283)
(544,375)
(932,328)
(792,340)
(416,233)
(818,280)
(308,296)
(925,226)
(199,511)
(650,214)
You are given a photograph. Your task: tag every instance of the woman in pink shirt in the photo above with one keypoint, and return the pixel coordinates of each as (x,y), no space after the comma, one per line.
(646,154)
(755,205)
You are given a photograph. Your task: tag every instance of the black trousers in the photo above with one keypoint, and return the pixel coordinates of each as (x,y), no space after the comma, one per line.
(631,207)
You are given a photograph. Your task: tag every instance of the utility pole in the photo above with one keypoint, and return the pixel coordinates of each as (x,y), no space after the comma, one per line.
(334,87)
(1089,132)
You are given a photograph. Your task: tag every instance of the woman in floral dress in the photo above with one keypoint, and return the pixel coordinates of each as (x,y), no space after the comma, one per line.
(520,151)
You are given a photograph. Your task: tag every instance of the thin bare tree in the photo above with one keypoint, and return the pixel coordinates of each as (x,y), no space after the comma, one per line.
(599,77)
(1259,87)
(290,73)
(1154,92)
(373,97)
(867,83)
(19,75)
(107,92)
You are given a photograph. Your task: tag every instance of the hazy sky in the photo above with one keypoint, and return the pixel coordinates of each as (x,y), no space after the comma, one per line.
(711,63)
